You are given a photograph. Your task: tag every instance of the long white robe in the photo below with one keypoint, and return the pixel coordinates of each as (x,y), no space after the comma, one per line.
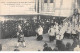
(51,32)
(40,31)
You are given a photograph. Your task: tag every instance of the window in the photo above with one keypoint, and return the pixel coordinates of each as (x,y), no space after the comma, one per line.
(45,1)
(51,1)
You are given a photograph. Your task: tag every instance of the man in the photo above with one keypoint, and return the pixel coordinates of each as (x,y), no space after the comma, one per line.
(58,42)
(20,36)
(62,31)
(39,33)
(19,27)
(68,31)
(56,28)
(74,33)
(65,26)
(59,38)
(51,33)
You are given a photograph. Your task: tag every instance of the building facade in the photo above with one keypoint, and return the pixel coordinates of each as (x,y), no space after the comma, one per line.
(62,8)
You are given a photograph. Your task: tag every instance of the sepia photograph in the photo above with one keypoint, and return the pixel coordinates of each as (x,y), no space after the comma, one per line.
(39,25)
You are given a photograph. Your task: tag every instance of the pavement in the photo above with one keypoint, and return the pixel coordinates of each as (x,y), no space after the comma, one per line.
(31,43)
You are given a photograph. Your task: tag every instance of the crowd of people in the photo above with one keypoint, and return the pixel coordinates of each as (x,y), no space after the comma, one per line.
(68,29)
(64,31)
(56,32)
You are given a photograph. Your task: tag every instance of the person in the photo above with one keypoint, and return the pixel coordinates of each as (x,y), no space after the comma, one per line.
(63,48)
(0,47)
(58,41)
(46,47)
(74,33)
(68,31)
(77,48)
(19,27)
(62,31)
(56,27)
(65,26)
(68,47)
(39,33)
(20,36)
(79,33)
(59,38)
(51,33)
(75,43)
